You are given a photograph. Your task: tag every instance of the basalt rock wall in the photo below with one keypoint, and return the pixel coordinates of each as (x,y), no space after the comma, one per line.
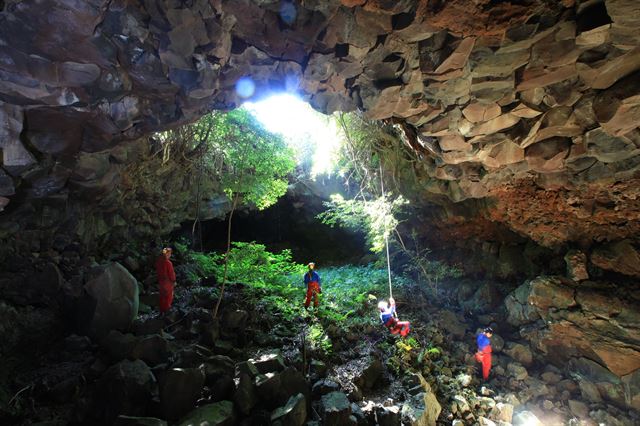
(521,116)
(138,191)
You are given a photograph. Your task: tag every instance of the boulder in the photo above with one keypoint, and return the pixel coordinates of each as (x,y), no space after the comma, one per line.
(497,342)
(517,371)
(268,389)
(388,416)
(247,367)
(40,288)
(532,388)
(604,417)
(269,363)
(576,265)
(519,352)
(597,383)
(460,405)
(148,325)
(222,347)
(191,357)
(358,414)
(223,389)
(117,345)
(620,257)
(216,414)
(292,382)
(450,323)
(217,366)
(519,311)
(323,387)
(526,418)
(551,378)
(113,294)
(293,413)
(483,421)
(464,380)
(368,377)
(6,184)
(318,368)
(578,409)
(632,386)
(422,409)
(126,388)
(502,412)
(179,390)
(138,421)
(235,320)
(335,409)
(245,397)
(153,350)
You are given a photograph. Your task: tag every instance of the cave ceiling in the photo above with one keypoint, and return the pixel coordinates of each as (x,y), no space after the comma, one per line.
(524,111)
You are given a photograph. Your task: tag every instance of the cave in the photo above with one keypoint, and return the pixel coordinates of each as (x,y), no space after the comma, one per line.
(520,123)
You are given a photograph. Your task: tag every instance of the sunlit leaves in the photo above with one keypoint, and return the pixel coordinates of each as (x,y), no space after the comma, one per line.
(375,217)
(237,151)
(256,162)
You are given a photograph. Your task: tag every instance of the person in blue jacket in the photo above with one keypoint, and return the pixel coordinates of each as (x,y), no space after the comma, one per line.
(483,355)
(312,280)
(389,318)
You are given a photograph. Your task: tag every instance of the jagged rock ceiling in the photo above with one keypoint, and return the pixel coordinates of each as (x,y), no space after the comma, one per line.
(529,106)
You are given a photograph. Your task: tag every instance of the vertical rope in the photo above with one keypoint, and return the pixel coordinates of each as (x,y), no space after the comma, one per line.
(386,237)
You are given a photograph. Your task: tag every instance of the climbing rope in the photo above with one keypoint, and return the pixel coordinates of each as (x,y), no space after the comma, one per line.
(386,236)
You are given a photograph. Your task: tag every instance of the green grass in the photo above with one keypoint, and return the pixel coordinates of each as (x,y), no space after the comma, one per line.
(275,283)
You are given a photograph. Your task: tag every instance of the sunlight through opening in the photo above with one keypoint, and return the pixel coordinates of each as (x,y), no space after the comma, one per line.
(314,136)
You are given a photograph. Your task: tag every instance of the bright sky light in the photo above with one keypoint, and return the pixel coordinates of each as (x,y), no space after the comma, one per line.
(302,127)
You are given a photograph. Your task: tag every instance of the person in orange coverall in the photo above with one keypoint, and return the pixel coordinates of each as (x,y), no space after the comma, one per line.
(483,355)
(312,280)
(166,279)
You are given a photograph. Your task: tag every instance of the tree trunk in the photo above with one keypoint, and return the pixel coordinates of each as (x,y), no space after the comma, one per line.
(226,256)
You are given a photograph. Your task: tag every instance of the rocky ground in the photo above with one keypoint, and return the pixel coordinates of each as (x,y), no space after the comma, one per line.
(251,367)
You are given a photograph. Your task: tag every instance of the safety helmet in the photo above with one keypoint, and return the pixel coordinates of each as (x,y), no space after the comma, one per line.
(488,330)
(311,265)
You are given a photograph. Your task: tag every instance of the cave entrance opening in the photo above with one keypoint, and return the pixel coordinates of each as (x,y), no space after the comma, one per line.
(291,223)
(314,136)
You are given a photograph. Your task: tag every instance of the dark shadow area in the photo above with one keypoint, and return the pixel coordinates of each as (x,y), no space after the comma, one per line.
(289,224)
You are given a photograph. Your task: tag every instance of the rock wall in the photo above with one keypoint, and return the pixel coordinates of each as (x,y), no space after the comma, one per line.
(530,107)
(137,191)
(590,328)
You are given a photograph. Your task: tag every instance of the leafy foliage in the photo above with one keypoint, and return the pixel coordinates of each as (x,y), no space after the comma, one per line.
(236,150)
(251,263)
(275,283)
(348,292)
(256,162)
(366,142)
(319,339)
(375,216)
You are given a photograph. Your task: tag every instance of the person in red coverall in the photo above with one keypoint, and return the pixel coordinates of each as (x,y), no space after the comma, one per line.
(483,355)
(166,279)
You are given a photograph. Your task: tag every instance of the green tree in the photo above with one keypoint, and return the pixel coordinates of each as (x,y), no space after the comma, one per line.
(255,166)
(376,216)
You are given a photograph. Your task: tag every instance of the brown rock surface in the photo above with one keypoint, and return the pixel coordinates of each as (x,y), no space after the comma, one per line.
(583,325)
(535,107)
